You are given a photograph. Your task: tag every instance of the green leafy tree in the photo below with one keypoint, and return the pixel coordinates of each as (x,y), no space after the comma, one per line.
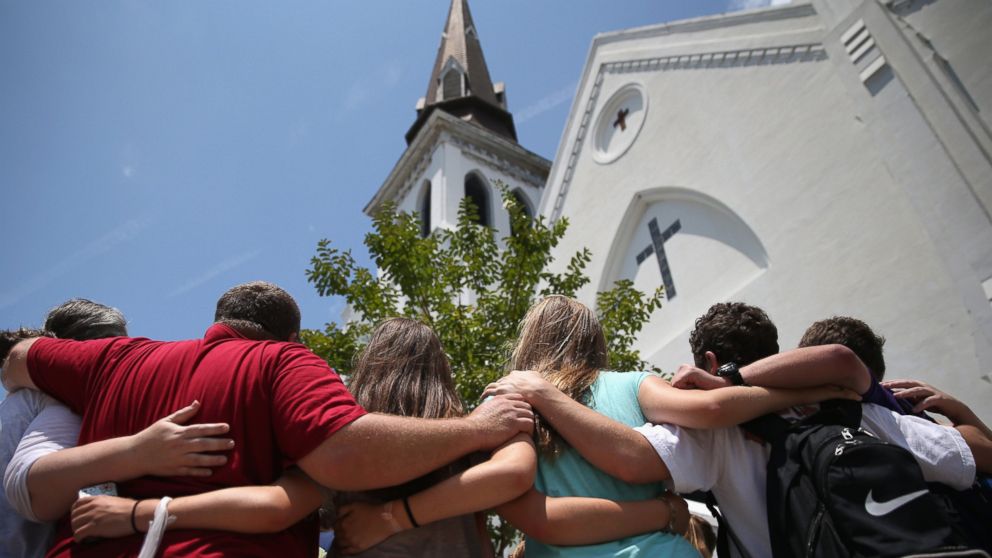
(471,288)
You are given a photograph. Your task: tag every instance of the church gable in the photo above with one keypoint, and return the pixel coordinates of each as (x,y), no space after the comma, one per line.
(691,244)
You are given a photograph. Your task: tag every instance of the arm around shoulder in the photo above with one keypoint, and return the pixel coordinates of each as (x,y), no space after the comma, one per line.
(810,367)
(582,521)
(375,451)
(244,509)
(719,408)
(14,374)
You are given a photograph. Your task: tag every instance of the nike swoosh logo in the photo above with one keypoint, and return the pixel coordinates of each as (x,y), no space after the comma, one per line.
(882,508)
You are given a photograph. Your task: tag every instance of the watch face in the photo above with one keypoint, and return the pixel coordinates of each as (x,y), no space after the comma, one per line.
(727,370)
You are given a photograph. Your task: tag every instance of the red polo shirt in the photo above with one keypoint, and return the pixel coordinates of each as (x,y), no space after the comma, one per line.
(280,399)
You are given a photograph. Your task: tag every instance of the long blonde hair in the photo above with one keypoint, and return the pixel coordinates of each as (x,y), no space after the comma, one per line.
(561,339)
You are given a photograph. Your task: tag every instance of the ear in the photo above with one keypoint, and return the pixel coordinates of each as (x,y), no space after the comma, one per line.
(711,363)
(294,337)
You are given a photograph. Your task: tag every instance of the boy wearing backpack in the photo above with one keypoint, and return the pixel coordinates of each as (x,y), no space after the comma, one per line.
(733,463)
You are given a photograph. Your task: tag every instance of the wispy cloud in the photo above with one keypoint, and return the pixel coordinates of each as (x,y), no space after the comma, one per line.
(127,171)
(735,5)
(392,73)
(356,96)
(366,88)
(123,233)
(546,103)
(226,265)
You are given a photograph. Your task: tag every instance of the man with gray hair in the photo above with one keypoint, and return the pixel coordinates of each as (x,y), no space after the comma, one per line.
(36,419)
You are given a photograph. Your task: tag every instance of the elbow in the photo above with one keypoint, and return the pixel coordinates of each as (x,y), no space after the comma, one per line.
(708,413)
(517,478)
(980,446)
(20,497)
(43,514)
(851,372)
(274,523)
(537,527)
(278,514)
(641,468)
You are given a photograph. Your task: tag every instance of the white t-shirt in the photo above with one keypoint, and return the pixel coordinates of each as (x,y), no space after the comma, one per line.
(32,424)
(733,467)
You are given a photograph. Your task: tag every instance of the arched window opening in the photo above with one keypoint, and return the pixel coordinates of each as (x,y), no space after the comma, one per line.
(476,190)
(425,210)
(524,205)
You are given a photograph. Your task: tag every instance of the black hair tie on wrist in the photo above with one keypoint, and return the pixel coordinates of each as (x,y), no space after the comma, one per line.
(409,514)
(134,509)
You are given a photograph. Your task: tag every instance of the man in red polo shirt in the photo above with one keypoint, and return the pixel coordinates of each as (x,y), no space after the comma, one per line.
(283,403)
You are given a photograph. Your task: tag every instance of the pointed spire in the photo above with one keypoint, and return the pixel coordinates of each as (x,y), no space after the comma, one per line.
(460,51)
(460,82)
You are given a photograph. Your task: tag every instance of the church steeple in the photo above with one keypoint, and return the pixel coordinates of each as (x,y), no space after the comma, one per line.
(460,82)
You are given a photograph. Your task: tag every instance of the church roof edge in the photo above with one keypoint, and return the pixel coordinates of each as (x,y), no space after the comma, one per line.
(439,121)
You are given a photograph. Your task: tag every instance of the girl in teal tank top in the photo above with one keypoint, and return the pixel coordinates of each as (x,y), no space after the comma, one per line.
(562,339)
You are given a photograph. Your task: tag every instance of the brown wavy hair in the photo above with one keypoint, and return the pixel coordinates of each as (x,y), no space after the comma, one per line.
(404,371)
(561,339)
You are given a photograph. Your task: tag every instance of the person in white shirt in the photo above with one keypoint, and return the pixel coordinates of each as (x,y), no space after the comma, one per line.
(725,460)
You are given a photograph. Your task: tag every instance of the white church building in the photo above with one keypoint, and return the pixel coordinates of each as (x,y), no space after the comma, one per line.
(827,157)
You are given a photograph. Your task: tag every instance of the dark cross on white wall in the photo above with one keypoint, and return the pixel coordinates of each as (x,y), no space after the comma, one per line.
(621,120)
(657,247)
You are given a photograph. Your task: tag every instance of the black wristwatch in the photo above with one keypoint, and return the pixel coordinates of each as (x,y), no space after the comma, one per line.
(731,372)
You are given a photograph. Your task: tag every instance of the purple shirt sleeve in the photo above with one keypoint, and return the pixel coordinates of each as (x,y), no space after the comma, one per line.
(884,397)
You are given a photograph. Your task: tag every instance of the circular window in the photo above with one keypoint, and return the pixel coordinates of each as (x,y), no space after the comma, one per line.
(619,122)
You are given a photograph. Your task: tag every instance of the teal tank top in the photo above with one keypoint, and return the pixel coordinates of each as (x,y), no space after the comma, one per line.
(613,394)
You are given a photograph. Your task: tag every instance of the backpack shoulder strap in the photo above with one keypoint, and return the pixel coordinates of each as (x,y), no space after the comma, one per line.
(843,412)
(771,427)
(725,535)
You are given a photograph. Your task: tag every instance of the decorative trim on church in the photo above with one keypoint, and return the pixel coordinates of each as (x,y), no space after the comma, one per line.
(497,163)
(418,171)
(727,59)
(808,52)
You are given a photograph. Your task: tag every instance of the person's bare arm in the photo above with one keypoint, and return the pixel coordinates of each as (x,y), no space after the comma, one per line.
(376,451)
(506,475)
(800,368)
(14,374)
(580,521)
(980,445)
(662,403)
(610,446)
(244,509)
(165,449)
(976,433)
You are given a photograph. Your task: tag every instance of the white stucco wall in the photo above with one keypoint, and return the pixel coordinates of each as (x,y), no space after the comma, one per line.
(863,199)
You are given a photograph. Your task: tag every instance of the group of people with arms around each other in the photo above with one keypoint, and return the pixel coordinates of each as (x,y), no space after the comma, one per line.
(245,443)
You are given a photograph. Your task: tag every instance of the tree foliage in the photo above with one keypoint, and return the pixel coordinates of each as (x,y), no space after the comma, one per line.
(471,287)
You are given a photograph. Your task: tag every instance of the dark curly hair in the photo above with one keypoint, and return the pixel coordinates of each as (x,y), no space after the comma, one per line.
(735,332)
(853,334)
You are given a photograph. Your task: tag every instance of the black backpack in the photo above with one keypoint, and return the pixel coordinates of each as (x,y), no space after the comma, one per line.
(835,490)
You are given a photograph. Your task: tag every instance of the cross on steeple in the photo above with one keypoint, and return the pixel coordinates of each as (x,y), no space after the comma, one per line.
(657,247)
(621,119)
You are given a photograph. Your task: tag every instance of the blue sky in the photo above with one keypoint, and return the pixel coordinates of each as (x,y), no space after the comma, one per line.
(153,154)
